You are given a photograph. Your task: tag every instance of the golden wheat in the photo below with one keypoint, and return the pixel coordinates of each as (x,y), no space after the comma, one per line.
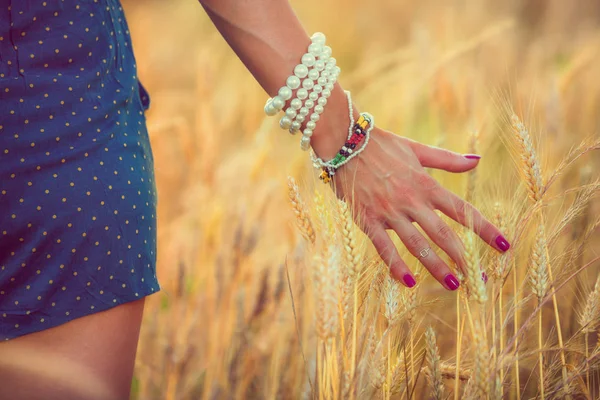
(434,373)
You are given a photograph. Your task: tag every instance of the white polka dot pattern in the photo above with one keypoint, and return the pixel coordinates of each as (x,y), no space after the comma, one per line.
(77,191)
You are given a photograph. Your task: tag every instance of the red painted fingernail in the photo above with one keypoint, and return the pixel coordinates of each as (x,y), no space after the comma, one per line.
(451,282)
(484,277)
(472,156)
(502,243)
(409,280)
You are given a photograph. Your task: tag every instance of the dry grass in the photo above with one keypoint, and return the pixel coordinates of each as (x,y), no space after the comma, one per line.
(252,307)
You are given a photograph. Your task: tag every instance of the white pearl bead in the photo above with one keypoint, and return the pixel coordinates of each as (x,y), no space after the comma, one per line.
(285,93)
(285,123)
(291,113)
(308,59)
(303,112)
(302,93)
(313,74)
(315,117)
(318,37)
(320,65)
(293,82)
(311,125)
(332,61)
(326,52)
(315,49)
(322,100)
(329,86)
(329,69)
(313,96)
(299,118)
(322,81)
(337,70)
(305,143)
(317,89)
(294,127)
(307,132)
(296,104)
(301,71)
(308,84)
(309,104)
(326,93)
(269,109)
(278,102)
(319,109)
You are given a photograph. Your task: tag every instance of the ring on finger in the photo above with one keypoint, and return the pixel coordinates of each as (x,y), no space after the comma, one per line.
(425,252)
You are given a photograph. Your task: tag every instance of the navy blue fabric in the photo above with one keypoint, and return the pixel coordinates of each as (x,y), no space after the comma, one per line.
(77,191)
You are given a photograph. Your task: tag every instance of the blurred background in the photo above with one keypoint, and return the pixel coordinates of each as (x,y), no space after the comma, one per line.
(438,72)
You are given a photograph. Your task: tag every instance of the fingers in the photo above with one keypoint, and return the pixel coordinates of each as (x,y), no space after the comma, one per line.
(467,215)
(389,254)
(443,236)
(435,157)
(419,247)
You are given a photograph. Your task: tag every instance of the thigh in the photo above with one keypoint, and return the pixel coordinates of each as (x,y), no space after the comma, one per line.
(88,358)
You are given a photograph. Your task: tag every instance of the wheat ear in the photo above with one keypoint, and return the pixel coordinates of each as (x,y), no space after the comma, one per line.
(481,372)
(302,216)
(530,163)
(538,279)
(326,279)
(434,373)
(589,320)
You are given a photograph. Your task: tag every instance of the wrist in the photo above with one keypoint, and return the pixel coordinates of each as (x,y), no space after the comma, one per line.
(332,129)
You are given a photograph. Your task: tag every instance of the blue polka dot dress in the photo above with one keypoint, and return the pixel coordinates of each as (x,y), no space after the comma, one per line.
(77,191)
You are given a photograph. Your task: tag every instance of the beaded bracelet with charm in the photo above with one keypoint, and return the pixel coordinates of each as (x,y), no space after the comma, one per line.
(358,131)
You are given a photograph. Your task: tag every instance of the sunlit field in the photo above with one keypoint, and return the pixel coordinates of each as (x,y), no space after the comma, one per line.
(268,288)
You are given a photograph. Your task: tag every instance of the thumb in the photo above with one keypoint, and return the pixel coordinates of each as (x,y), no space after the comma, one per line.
(435,157)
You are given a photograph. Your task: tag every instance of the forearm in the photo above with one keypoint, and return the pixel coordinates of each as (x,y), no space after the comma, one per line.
(268,38)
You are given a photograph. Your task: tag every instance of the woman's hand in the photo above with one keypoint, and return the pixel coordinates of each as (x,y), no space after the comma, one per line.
(388,185)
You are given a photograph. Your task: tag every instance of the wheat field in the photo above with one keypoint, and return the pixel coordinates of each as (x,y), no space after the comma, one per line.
(270,291)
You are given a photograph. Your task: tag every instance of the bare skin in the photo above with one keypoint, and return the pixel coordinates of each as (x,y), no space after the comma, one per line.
(88,358)
(387,183)
(393,190)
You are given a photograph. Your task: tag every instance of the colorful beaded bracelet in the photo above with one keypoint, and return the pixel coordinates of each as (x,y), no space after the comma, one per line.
(357,132)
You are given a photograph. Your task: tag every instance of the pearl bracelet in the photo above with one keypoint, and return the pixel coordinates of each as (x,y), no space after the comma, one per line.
(322,65)
(276,104)
(320,80)
(309,84)
(325,85)
(357,131)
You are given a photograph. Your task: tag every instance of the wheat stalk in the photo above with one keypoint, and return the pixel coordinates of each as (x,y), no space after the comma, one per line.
(533,178)
(302,215)
(409,302)
(434,374)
